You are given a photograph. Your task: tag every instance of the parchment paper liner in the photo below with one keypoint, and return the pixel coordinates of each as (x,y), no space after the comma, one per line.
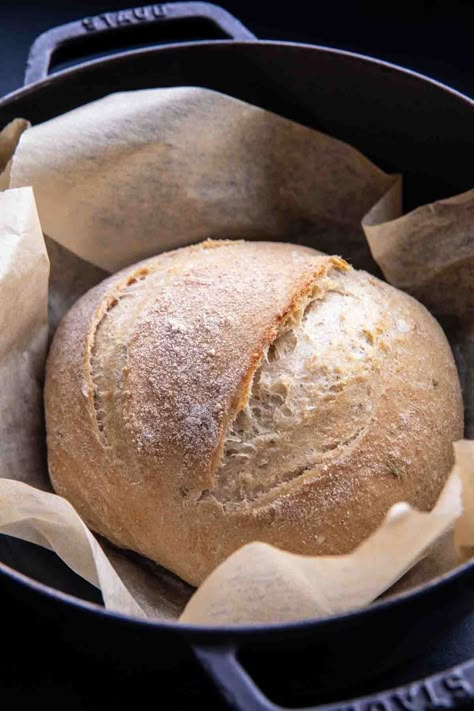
(137,173)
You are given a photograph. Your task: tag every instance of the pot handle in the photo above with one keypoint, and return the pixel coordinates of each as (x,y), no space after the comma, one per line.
(122,23)
(446,690)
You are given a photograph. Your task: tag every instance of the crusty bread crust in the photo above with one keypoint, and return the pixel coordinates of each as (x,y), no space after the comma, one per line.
(148,372)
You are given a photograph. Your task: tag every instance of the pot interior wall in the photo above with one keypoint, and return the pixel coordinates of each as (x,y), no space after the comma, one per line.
(400,121)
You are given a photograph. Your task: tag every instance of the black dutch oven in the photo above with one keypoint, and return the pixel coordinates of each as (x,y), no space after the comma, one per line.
(405,123)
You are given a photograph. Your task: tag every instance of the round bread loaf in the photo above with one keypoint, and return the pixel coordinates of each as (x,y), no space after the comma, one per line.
(237,391)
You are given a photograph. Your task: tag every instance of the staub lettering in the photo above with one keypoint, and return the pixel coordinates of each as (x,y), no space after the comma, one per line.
(435,701)
(108,20)
(407,699)
(379,705)
(443,692)
(457,685)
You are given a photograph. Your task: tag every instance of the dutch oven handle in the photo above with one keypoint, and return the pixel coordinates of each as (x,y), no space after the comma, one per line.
(117,23)
(446,690)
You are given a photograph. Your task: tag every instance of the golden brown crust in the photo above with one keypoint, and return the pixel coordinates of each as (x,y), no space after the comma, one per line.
(148,370)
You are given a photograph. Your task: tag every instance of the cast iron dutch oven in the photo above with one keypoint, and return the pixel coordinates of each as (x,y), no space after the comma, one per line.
(404,122)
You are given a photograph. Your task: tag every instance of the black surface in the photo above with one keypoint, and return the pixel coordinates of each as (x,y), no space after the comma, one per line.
(434,37)
(66,677)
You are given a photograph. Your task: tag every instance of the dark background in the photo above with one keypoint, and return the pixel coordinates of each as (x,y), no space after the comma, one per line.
(434,37)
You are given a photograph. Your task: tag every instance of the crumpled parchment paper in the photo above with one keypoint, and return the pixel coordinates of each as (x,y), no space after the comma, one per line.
(137,173)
